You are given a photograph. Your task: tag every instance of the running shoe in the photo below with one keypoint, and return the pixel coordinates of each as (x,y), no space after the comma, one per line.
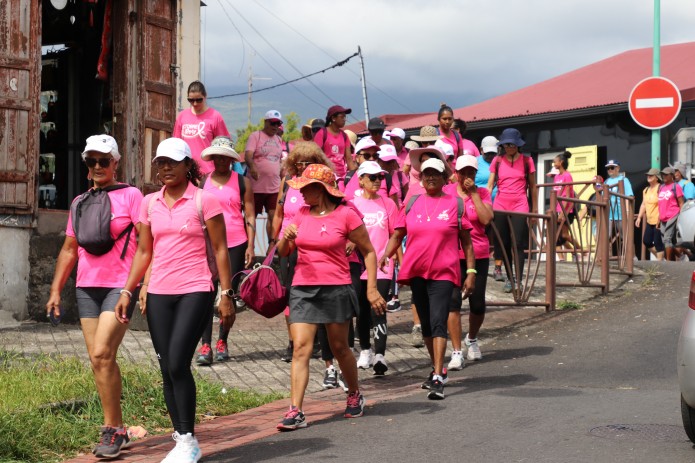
(473,349)
(366,359)
(416,336)
(287,356)
(111,442)
(204,355)
(341,382)
(497,273)
(394,305)
(293,419)
(456,362)
(355,405)
(428,382)
(507,286)
(187,449)
(239,304)
(330,378)
(221,351)
(436,390)
(380,366)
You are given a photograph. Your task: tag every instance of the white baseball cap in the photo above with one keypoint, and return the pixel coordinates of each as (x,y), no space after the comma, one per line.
(387,153)
(365,143)
(444,146)
(102,144)
(489,144)
(369,167)
(398,133)
(173,148)
(433,163)
(273,115)
(467,160)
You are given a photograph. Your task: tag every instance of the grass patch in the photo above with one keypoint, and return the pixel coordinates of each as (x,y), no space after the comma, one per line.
(568,305)
(650,275)
(50,411)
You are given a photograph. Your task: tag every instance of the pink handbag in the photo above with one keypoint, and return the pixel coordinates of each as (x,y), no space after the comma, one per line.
(260,288)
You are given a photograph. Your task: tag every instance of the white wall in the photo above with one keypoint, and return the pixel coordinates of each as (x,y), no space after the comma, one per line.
(187,48)
(14,275)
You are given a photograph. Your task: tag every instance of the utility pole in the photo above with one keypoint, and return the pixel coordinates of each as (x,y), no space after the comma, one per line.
(656,70)
(364,87)
(251,79)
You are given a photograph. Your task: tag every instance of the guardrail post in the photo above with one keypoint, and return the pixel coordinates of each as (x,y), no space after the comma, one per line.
(604,242)
(550,264)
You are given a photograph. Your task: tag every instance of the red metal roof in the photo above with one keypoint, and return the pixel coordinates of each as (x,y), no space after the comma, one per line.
(391,120)
(603,83)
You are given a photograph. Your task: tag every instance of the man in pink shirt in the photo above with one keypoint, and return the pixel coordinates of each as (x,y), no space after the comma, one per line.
(263,156)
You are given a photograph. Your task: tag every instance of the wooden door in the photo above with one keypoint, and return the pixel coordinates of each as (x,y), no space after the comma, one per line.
(20,85)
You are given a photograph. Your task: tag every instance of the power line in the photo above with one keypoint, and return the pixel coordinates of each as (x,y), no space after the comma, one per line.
(243,39)
(338,64)
(371,85)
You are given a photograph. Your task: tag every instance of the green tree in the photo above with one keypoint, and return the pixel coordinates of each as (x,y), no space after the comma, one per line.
(290,124)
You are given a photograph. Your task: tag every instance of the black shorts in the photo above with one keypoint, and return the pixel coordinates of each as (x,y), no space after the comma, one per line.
(267,201)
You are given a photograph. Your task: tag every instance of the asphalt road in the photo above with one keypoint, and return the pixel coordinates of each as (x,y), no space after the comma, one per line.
(592,385)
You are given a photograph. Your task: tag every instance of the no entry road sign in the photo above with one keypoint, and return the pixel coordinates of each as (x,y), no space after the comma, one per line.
(654,102)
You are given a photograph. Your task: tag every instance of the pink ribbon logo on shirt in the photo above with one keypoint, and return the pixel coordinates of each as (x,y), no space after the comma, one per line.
(193,130)
(377,219)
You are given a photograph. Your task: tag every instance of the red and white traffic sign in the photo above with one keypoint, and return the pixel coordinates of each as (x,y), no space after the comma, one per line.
(654,102)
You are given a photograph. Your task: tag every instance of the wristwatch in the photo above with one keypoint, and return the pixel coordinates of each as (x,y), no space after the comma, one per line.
(227,292)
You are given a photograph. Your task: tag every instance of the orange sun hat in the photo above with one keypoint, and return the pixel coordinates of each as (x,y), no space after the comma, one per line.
(317,173)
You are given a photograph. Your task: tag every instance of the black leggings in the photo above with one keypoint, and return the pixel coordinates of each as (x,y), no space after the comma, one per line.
(368,319)
(432,299)
(237,255)
(520,229)
(322,334)
(176,323)
(477,299)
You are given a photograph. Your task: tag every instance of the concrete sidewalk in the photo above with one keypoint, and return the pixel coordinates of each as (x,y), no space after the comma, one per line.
(256,345)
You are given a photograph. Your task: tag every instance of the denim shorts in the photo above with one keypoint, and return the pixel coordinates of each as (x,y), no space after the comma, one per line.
(92,301)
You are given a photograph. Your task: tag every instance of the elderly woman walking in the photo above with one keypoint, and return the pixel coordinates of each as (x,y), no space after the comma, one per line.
(322,291)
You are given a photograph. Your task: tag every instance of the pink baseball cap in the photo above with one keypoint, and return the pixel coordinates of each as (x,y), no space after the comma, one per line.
(387,153)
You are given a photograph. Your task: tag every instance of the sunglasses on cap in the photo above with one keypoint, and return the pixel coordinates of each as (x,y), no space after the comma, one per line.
(195,100)
(103,162)
(275,123)
(368,156)
(375,177)
(161,162)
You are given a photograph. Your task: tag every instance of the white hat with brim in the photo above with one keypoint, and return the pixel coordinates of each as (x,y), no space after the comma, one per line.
(173,148)
(444,146)
(364,144)
(489,144)
(387,153)
(435,164)
(102,144)
(369,167)
(398,133)
(432,150)
(467,160)
(221,146)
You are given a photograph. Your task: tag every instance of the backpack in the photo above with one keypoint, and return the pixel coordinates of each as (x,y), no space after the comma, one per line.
(459,205)
(242,187)
(209,251)
(387,176)
(261,289)
(457,137)
(325,137)
(91,221)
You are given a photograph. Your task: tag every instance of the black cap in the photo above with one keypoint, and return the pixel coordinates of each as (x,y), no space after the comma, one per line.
(317,124)
(376,124)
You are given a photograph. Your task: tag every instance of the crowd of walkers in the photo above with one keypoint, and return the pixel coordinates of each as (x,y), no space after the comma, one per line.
(350,219)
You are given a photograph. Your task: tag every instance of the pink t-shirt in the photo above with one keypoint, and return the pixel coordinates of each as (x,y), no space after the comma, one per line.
(334,147)
(380,217)
(230,200)
(294,201)
(199,130)
(267,154)
(432,245)
(481,244)
(321,244)
(668,204)
(511,183)
(414,189)
(402,156)
(109,270)
(179,262)
(469,147)
(566,191)
(353,189)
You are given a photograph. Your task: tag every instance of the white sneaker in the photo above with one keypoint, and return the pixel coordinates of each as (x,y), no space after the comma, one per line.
(456,362)
(380,367)
(366,359)
(473,349)
(187,449)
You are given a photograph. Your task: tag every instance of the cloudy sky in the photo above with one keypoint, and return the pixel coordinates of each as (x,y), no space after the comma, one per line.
(417,54)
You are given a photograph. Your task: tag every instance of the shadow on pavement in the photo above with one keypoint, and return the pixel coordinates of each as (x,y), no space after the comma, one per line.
(293,449)
(509,354)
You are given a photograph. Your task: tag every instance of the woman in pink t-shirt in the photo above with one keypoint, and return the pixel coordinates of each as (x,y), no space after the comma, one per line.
(670,202)
(334,142)
(179,288)
(478,211)
(435,226)
(322,291)
(513,174)
(565,209)
(199,125)
(240,223)
(379,216)
(100,278)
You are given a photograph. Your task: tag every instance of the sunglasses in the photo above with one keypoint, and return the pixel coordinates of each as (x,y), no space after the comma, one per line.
(610,167)
(509,145)
(103,162)
(369,156)
(275,123)
(161,162)
(375,177)
(195,100)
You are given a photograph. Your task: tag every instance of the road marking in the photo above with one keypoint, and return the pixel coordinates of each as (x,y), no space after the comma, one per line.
(641,103)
